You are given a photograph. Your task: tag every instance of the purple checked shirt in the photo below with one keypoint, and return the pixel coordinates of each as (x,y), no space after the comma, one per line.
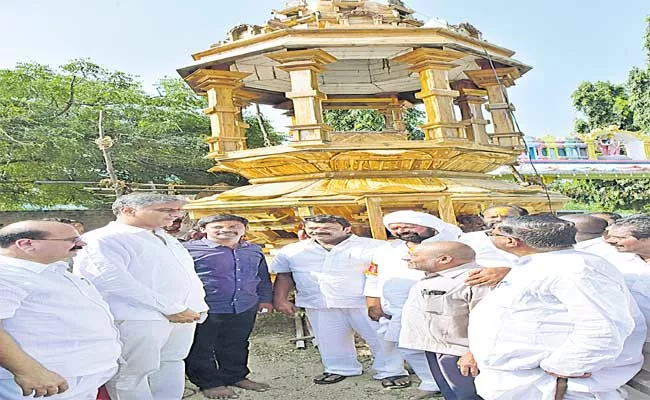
(235,280)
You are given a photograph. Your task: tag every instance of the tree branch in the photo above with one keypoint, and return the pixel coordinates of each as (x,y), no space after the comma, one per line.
(70,100)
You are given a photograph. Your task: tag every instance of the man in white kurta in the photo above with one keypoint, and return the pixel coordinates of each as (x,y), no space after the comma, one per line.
(560,314)
(57,336)
(148,279)
(389,280)
(496,262)
(328,271)
(630,237)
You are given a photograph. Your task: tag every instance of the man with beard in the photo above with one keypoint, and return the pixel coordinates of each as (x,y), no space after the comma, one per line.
(328,271)
(560,325)
(57,336)
(148,279)
(236,279)
(389,280)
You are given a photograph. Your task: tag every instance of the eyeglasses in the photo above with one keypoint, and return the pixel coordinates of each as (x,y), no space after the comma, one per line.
(496,234)
(71,239)
(169,210)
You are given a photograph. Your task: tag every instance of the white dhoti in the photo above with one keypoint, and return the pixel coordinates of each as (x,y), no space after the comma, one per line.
(79,387)
(334,329)
(153,354)
(389,332)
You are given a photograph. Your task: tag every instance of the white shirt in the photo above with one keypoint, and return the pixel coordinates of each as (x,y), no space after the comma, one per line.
(57,318)
(634,269)
(599,247)
(487,254)
(140,276)
(390,278)
(327,279)
(567,312)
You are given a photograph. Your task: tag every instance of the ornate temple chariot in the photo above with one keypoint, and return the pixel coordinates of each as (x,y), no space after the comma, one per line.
(320,55)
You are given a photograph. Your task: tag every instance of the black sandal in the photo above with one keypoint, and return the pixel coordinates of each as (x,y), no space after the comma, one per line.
(391,382)
(327,378)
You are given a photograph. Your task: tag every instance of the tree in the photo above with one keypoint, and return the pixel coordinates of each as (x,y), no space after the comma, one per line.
(603,104)
(608,195)
(355,120)
(254,135)
(49,123)
(628,107)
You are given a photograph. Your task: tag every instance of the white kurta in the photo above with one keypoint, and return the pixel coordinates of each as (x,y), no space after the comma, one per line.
(329,286)
(327,279)
(143,279)
(57,318)
(565,312)
(634,269)
(487,254)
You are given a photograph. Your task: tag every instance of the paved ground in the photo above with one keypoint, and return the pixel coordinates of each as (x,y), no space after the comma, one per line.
(275,360)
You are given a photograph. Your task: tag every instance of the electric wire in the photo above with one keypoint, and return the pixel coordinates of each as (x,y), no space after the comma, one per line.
(514,120)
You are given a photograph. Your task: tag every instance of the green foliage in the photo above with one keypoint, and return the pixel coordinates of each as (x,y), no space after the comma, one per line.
(608,195)
(603,104)
(49,122)
(414,118)
(354,120)
(638,84)
(628,107)
(370,120)
(254,135)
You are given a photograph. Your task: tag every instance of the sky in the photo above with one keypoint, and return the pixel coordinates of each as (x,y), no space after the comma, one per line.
(566,41)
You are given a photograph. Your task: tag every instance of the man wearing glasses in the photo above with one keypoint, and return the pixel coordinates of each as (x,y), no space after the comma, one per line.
(562,324)
(148,279)
(57,335)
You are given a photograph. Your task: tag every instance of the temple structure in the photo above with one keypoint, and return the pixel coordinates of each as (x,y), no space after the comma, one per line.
(344,54)
(604,153)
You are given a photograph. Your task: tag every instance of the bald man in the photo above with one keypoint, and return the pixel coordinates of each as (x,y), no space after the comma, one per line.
(57,337)
(610,217)
(589,236)
(436,315)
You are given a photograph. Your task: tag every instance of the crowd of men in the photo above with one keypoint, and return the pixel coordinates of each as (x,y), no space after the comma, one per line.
(523,307)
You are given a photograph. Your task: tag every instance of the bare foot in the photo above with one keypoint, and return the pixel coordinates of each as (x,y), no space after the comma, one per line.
(423,394)
(220,392)
(251,385)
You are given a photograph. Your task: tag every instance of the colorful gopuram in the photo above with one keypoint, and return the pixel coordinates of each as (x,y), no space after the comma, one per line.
(319,55)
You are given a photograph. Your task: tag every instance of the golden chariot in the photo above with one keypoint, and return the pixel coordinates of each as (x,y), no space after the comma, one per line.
(320,55)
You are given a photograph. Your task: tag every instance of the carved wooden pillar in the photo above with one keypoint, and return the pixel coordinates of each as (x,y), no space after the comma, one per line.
(303,67)
(504,128)
(394,115)
(375,218)
(389,121)
(241,98)
(433,65)
(219,86)
(470,102)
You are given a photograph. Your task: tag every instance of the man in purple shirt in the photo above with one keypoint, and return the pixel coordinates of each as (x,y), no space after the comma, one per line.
(237,286)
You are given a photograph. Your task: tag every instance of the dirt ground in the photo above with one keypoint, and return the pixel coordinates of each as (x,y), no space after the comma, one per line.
(275,360)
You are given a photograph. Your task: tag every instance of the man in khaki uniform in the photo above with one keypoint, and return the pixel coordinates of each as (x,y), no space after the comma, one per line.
(436,314)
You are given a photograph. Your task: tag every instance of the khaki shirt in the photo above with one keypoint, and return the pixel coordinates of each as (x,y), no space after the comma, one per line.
(436,314)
